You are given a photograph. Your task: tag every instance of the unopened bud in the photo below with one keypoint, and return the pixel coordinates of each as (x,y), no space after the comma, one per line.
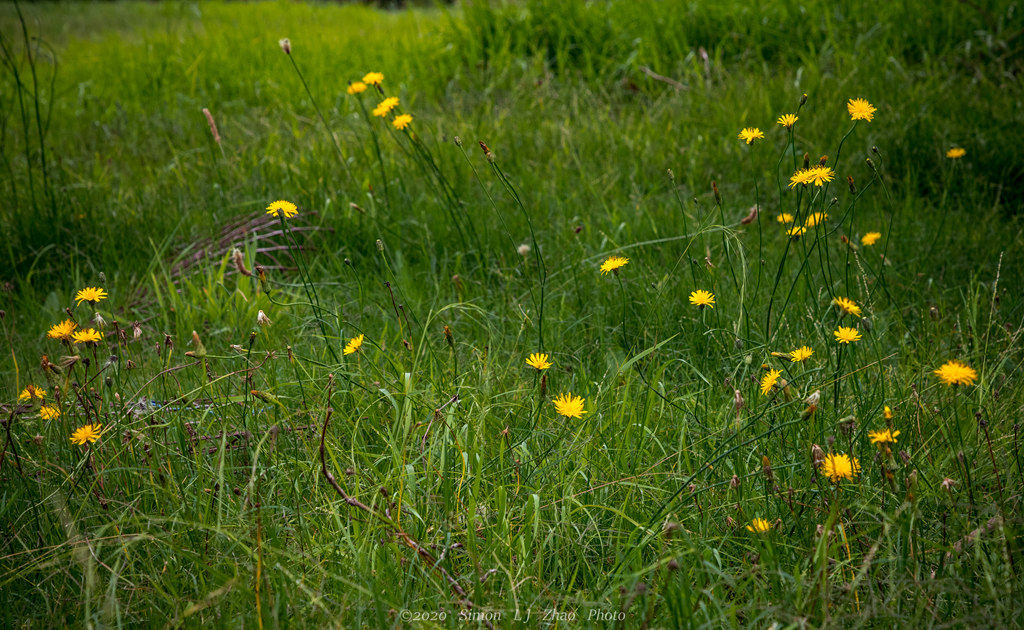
(458,141)
(718,195)
(807,160)
(853,187)
(803,100)
(285,45)
(871,164)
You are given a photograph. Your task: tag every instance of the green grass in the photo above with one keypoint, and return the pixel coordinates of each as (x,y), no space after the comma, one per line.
(205,502)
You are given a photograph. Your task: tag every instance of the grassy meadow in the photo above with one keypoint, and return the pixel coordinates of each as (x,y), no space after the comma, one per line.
(780,356)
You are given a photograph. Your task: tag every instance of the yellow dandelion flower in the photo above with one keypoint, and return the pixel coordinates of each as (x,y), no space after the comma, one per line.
(860,109)
(769,380)
(885,436)
(86,434)
(91,295)
(870,238)
(796,232)
(787,120)
(749,134)
(356,87)
(819,175)
(845,334)
(839,466)
(759,526)
(800,354)
(282,207)
(49,413)
(613,263)
(62,330)
(87,335)
(887,413)
(31,392)
(802,176)
(785,217)
(373,78)
(538,361)
(954,372)
(702,298)
(384,107)
(569,405)
(847,305)
(402,121)
(815,218)
(956,153)
(353,345)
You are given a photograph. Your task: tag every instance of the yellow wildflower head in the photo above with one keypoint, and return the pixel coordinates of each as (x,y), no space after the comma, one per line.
(90,295)
(787,120)
(759,526)
(353,345)
(62,330)
(702,298)
(87,335)
(384,107)
(49,413)
(785,217)
(401,121)
(954,372)
(796,231)
(860,109)
(569,405)
(800,354)
(956,153)
(802,176)
(613,263)
(820,174)
(845,334)
(538,361)
(286,208)
(870,238)
(356,87)
(815,218)
(86,434)
(846,305)
(30,393)
(769,380)
(373,78)
(885,436)
(840,466)
(749,134)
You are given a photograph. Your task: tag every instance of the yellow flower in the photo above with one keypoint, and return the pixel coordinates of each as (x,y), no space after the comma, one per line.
(759,526)
(839,466)
(31,392)
(860,109)
(870,238)
(702,298)
(613,264)
(847,305)
(815,218)
(885,436)
(787,120)
(353,345)
(800,354)
(87,335)
(286,207)
(845,334)
(538,361)
(88,433)
(750,134)
(384,107)
(954,372)
(569,405)
(49,413)
(769,380)
(887,413)
(357,87)
(402,121)
(802,176)
(796,232)
(785,217)
(62,330)
(373,78)
(820,175)
(956,153)
(91,295)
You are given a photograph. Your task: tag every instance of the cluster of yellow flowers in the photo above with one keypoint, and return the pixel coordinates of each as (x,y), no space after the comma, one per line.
(386,106)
